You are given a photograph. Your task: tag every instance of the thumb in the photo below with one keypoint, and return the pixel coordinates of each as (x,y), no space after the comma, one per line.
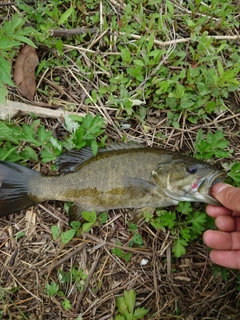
(229,196)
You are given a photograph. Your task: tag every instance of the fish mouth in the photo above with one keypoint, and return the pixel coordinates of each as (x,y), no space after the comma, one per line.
(205,184)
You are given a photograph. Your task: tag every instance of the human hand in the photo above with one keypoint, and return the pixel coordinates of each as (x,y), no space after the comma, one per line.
(225,241)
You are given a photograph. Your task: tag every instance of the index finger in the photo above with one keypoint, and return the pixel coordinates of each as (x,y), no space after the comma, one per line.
(227,195)
(215,211)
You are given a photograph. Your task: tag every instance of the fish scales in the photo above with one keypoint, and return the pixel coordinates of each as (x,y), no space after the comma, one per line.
(118,177)
(104,181)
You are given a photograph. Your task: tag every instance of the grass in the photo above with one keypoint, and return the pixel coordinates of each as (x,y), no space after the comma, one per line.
(157,72)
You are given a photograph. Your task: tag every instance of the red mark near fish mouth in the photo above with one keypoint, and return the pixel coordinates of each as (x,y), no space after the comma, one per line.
(196,184)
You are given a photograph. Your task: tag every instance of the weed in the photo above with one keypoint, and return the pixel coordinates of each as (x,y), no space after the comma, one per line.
(213,145)
(12,34)
(5,298)
(126,307)
(185,224)
(135,240)
(75,275)
(35,142)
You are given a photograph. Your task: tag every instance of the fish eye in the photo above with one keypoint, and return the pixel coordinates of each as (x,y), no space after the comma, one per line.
(192,169)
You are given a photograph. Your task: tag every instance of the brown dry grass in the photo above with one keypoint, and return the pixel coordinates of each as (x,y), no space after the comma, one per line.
(170,288)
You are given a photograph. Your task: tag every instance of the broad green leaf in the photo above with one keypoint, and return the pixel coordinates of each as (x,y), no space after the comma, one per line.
(67,236)
(7,43)
(55,232)
(122,307)
(130,299)
(170,7)
(235,172)
(5,72)
(94,147)
(31,153)
(139,313)
(89,216)
(75,225)
(3,93)
(220,67)
(65,15)
(25,40)
(150,42)
(66,304)
(137,239)
(52,288)
(86,227)
(179,247)
(139,62)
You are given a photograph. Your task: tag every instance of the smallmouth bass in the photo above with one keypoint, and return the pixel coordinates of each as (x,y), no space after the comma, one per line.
(120,176)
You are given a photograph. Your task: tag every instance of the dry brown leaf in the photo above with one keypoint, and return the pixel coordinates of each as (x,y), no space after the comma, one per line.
(24,71)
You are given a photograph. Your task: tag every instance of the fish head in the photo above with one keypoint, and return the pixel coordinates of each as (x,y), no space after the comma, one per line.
(187,179)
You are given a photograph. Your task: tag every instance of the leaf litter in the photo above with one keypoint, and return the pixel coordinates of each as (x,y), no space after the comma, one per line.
(182,288)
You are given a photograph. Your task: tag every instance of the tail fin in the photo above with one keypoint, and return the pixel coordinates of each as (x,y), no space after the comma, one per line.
(14,191)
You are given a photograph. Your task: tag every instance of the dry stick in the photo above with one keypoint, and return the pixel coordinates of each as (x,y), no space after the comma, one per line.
(106,243)
(72,32)
(64,259)
(94,265)
(60,217)
(13,108)
(2,4)
(21,285)
(167,43)
(205,124)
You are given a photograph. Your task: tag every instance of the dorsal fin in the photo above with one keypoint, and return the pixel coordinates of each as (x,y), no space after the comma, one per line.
(70,160)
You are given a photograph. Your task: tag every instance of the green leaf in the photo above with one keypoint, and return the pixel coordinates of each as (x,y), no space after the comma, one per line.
(103,217)
(127,256)
(89,216)
(86,227)
(139,313)
(170,7)
(151,42)
(66,304)
(220,67)
(43,134)
(55,232)
(122,307)
(26,40)
(52,288)
(137,239)
(130,299)
(65,15)
(179,247)
(118,252)
(94,147)
(6,43)
(235,172)
(20,235)
(75,225)
(5,72)
(119,317)
(139,63)
(31,153)
(67,236)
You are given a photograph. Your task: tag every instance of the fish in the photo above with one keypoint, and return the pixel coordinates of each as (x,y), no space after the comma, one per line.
(119,176)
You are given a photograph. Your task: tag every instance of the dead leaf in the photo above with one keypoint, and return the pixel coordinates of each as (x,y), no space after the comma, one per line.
(24,71)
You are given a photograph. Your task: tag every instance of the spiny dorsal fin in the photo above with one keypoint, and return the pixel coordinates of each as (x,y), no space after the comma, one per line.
(70,160)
